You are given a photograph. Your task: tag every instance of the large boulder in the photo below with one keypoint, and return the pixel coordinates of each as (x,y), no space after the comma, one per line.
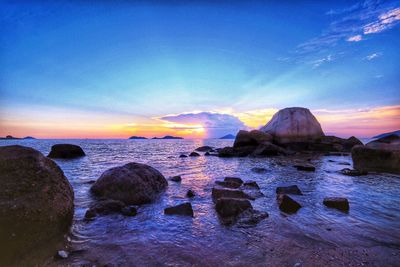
(66,151)
(133,184)
(252,138)
(293,125)
(382,155)
(36,202)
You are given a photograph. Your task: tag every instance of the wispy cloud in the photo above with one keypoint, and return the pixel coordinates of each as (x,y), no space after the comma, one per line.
(385,21)
(355,38)
(317,63)
(373,56)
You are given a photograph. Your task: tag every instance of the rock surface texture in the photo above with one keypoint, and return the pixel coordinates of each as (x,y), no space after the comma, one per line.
(66,151)
(36,202)
(382,155)
(133,184)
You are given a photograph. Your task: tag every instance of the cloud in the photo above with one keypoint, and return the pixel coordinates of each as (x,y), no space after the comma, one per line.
(385,21)
(373,56)
(317,63)
(214,124)
(355,38)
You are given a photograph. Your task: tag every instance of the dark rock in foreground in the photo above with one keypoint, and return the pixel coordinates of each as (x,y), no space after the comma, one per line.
(230,182)
(251,184)
(104,207)
(339,203)
(231,207)
(190,193)
(304,167)
(218,193)
(194,154)
(36,202)
(183,156)
(204,148)
(252,138)
(133,184)
(182,209)
(350,172)
(287,204)
(293,189)
(382,155)
(66,151)
(176,178)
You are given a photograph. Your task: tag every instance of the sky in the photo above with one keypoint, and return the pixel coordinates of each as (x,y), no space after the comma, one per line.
(196,69)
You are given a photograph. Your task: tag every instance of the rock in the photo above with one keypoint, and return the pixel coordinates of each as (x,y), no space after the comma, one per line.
(204,148)
(293,189)
(194,154)
(228,184)
(253,192)
(129,211)
(251,217)
(305,167)
(243,151)
(104,207)
(338,154)
(207,154)
(339,203)
(36,202)
(287,204)
(62,254)
(132,183)
(390,142)
(266,149)
(182,156)
(259,170)
(66,151)
(176,178)
(190,193)
(251,184)
(218,193)
(231,207)
(252,138)
(233,180)
(367,159)
(351,142)
(349,172)
(182,209)
(293,125)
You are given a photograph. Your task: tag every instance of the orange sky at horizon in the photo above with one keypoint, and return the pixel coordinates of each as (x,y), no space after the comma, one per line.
(359,122)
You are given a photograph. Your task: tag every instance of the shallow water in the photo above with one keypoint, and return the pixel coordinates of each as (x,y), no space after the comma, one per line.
(153,239)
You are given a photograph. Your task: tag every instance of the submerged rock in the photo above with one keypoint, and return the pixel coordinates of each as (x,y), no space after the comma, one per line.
(182,156)
(293,125)
(231,207)
(218,193)
(66,151)
(104,207)
(132,183)
(339,203)
(305,167)
(176,178)
(287,204)
(204,148)
(293,189)
(382,155)
(251,184)
(259,170)
(194,154)
(350,172)
(181,209)
(190,193)
(37,202)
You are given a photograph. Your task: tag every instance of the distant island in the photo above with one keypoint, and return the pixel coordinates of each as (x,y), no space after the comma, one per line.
(387,134)
(168,137)
(228,136)
(137,137)
(10,137)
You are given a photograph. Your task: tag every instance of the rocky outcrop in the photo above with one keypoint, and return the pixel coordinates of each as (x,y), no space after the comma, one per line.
(382,155)
(252,138)
(293,125)
(36,202)
(339,203)
(133,184)
(181,209)
(66,151)
(204,148)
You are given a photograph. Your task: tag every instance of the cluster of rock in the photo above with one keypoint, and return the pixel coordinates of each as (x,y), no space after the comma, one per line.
(381,155)
(289,130)
(36,202)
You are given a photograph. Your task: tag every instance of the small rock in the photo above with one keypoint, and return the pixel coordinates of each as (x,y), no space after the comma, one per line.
(293,189)
(259,170)
(251,217)
(231,207)
(104,207)
(251,184)
(66,151)
(182,156)
(287,204)
(190,193)
(339,203)
(207,154)
(129,211)
(176,178)
(233,180)
(62,254)
(218,193)
(350,172)
(181,209)
(305,167)
(204,148)
(227,184)
(194,154)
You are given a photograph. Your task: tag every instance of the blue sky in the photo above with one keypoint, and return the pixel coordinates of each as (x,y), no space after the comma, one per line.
(112,68)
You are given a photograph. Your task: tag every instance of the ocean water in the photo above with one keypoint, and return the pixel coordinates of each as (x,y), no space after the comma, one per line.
(368,235)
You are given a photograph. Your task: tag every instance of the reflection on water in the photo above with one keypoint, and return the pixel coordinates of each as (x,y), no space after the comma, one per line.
(150,238)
